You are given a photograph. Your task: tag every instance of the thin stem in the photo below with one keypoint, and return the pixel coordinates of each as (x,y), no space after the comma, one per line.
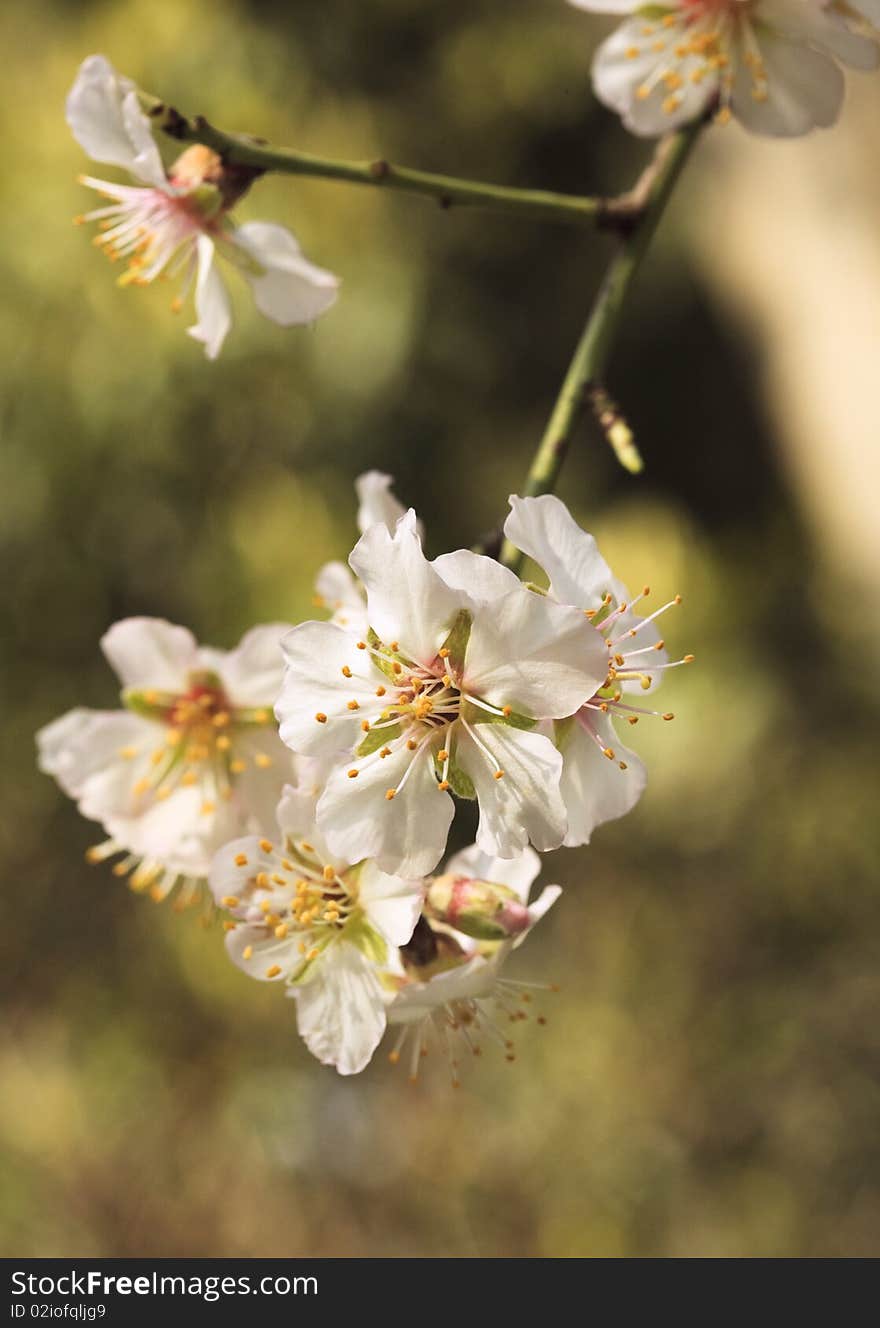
(594,348)
(255,156)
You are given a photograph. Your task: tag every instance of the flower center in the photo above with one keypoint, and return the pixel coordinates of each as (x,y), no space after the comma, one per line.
(295,895)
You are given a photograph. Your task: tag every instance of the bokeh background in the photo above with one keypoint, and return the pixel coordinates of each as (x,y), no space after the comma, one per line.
(707,1081)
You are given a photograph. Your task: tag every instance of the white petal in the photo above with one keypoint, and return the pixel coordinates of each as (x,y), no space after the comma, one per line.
(608,6)
(253,671)
(83,744)
(870,9)
(341,1010)
(376,502)
(541,658)
(617,79)
(212,302)
(821,26)
(339,591)
(481,578)
(804,89)
(408,601)
(314,684)
(150,652)
(287,288)
(406,834)
(544,529)
(269,765)
(593,787)
(265,952)
(525,803)
(106,120)
(179,831)
(391,903)
(516,873)
(469,981)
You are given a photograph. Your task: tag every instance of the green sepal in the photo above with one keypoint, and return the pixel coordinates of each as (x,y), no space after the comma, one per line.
(365,938)
(460,783)
(385,661)
(457,640)
(135,700)
(377,738)
(477,715)
(562,731)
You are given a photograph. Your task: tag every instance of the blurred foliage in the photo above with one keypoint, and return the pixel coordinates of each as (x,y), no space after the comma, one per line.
(707,1082)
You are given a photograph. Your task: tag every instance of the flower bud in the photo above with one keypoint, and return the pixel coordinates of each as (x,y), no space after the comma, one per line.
(481,909)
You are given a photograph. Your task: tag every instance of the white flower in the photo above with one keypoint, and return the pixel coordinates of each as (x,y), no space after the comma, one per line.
(327,928)
(770,63)
(177,223)
(442,694)
(336,588)
(601,779)
(193,761)
(452,995)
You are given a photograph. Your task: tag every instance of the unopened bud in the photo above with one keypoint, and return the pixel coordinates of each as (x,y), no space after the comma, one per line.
(481,909)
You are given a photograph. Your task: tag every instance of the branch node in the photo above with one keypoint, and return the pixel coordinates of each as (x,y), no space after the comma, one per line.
(379,170)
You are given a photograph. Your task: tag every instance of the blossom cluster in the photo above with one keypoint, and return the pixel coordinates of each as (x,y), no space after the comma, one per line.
(310,775)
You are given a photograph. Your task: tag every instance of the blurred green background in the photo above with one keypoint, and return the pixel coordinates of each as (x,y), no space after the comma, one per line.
(707,1082)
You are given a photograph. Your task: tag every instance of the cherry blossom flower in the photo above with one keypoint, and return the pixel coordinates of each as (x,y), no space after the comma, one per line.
(601,778)
(441,695)
(326,928)
(176,223)
(773,64)
(451,996)
(192,761)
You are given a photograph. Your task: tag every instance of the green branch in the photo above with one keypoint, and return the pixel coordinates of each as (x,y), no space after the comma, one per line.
(254,155)
(647,203)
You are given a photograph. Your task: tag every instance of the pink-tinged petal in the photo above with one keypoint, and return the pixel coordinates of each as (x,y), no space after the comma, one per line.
(286,287)
(804,90)
(341,1010)
(627,77)
(407,600)
(316,684)
(405,834)
(543,659)
(150,652)
(106,120)
(516,873)
(212,301)
(252,672)
(523,805)
(593,786)
(376,503)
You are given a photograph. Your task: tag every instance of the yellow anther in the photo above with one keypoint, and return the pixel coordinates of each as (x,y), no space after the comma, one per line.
(223,743)
(237,767)
(380,691)
(365,726)
(632,53)
(262,716)
(302,947)
(346,671)
(306,846)
(386,751)
(506,711)
(361,645)
(352,774)
(609,752)
(281,930)
(207,808)
(267,846)
(240,859)
(644,682)
(278,879)
(230,901)
(247,952)
(443,652)
(353,705)
(119,869)
(221,719)
(262,761)
(313,954)
(329,873)
(396,668)
(127,753)
(141,786)
(189,779)
(688,659)
(395,646)
(321,717)
(390,793)
(443,785)
(669,715)
(261,881)
(411,744)
(273,971)
(622,765)
(265,906)
(447,680)
(442,755)
(499,774)
(393,1057)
